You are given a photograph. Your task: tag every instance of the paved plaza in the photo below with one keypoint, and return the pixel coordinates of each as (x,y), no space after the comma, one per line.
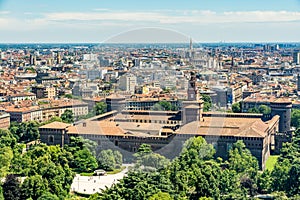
(94,184)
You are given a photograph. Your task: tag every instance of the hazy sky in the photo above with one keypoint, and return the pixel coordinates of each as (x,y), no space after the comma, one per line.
(109,20)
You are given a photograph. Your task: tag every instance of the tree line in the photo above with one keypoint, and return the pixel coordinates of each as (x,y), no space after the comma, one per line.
(197,174)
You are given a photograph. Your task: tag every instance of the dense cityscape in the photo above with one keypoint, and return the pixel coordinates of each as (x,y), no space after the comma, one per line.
(149,100)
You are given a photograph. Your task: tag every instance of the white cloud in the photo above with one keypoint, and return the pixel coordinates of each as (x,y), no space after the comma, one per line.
(101,9)
(124,20)
(4,12)
(184,16)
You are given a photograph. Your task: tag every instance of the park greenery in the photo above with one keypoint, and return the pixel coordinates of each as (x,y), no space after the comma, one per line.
(39,171)
(110,160)
(197,174)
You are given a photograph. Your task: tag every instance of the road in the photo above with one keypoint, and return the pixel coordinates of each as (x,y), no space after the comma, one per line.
(93,184)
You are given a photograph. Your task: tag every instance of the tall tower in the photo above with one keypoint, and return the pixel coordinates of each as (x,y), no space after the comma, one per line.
(193,94)
(298,82)
(58,58)
(283,108)
(32,59)
(191,49)
(192,108)
(296,58)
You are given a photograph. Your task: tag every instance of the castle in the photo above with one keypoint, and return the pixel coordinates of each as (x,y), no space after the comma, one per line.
(166,131)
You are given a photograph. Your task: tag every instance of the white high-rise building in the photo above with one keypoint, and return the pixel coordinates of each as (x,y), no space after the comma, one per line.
(296,58)
(127,82)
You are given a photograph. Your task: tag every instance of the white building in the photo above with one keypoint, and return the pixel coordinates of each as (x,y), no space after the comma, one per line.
(127,82)
(296,57)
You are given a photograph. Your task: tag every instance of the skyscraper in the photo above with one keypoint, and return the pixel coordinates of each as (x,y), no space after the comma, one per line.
(296,57)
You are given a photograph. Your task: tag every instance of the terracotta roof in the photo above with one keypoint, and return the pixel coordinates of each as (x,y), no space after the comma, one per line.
(56,125)
(228,126)
(96,128)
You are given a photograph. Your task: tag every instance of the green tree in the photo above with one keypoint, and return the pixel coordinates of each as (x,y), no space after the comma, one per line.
(136,185)
(165,105)
(285,174)
(53,119)
(149,160)
(253,110)
(295,118)
(7,139)
(194,174)
(207,102)
(118,158)
(161,196)
(154,160)
(106,160)
(100,108)
(241,161)
(143,149)
(48,196)
(1,193)
(67,116)
(294,178)
(32,132)
(69,96)
(236,107)
(6,156)
(264,182)
(84,161)
(79,143)
(25,131)
(34,186)
(51,163)
(11,188)
(264,109)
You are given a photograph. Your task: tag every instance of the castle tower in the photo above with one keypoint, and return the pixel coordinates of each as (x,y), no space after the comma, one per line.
(192,108)
(283,108)
(115,102)
(192,89)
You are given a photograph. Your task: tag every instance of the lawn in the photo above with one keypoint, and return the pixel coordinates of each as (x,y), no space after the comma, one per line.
(107,172)
(87,173)
(271,162)
(116,170)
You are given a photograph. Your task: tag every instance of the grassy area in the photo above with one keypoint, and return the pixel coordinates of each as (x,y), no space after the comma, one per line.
(108,172)
(116,170)
(87,173)
(271,162)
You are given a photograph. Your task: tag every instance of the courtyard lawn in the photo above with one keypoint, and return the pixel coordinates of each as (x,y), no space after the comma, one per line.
(271,162)
(116,170)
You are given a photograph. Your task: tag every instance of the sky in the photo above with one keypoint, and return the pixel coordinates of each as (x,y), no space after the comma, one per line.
(81,21)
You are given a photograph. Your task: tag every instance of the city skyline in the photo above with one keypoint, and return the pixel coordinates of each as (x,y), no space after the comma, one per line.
(103,21)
